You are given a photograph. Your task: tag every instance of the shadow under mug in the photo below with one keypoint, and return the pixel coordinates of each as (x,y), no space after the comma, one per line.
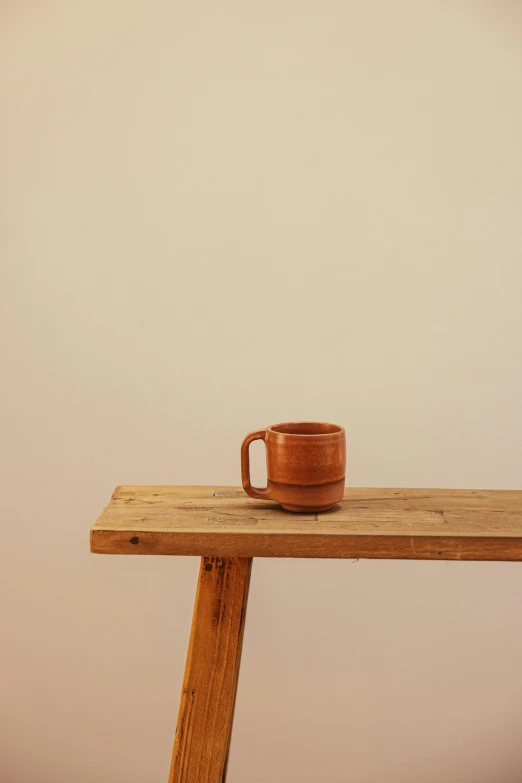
(306,465)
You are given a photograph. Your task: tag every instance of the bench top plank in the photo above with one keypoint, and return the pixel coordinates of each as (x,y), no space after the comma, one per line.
(418,524)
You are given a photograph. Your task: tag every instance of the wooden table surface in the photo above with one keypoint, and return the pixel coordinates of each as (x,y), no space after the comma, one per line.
(419,524)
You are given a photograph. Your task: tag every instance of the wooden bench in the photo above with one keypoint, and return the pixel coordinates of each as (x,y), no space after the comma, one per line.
(227,530)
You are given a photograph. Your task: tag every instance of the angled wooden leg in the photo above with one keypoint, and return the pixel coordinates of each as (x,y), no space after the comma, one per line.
(208,697)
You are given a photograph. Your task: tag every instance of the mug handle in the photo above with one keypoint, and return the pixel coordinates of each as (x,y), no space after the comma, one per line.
(254,492)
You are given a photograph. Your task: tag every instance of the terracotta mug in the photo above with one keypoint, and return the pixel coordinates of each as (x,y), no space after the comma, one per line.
(306,465)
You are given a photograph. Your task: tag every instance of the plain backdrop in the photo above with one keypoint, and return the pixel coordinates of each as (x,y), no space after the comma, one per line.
(221,215)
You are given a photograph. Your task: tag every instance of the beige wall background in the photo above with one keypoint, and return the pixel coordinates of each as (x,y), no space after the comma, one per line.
(217,216)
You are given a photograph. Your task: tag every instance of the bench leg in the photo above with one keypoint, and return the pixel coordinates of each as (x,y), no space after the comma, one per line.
(208,697)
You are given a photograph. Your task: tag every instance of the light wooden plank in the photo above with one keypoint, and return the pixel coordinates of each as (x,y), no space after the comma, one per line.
(208,696)
(162,493)
(357,497)
(376,523)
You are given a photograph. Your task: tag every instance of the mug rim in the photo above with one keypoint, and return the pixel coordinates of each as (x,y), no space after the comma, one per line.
(333,429)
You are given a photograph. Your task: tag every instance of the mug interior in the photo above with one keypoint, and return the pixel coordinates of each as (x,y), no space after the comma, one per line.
(306,428)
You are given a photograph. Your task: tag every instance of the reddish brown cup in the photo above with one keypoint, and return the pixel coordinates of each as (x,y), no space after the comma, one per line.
(306,465)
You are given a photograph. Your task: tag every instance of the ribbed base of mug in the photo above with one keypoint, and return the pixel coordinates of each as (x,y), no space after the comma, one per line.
(307,500)
(306,509)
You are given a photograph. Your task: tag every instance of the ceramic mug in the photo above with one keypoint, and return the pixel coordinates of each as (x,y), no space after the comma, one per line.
(306,465)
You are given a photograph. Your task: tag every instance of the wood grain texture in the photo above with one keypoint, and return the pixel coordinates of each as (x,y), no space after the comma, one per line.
(210,683)
(438,524)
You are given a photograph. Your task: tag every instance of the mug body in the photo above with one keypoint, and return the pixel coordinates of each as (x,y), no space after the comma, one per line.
(306,465)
